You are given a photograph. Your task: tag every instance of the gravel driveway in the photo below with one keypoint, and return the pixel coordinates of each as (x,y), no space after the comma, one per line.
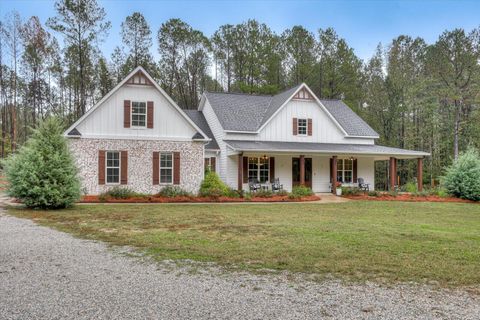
(46,274)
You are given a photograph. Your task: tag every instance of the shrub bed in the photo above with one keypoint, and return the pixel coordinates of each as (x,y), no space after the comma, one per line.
(196,199)
(414,197)
(175,194)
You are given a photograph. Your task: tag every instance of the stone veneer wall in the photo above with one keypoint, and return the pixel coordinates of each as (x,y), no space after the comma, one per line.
(140,154)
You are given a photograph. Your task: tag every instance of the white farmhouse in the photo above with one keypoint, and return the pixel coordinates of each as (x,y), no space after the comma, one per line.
(137,136)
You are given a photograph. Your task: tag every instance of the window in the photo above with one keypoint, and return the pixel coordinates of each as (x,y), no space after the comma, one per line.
(345,170)
(139,114)
(258,169)
(208,166)
(302,126)
(166,168)
(113,167)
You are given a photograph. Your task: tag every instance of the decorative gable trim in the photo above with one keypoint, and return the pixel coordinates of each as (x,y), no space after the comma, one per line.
(303,94)
(139,79)
(123,82)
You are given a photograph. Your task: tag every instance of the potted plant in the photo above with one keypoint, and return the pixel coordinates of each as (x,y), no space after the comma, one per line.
(338,186)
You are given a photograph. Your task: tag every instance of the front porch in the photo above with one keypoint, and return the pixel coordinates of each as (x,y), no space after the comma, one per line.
(311,170)
(316,168)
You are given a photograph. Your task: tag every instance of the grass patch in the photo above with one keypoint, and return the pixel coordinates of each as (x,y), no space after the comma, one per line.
(361,240)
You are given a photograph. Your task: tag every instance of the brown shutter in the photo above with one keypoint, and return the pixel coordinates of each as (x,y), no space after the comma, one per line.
(156,168)
(212,164)
(295,126)
(176,168)
(245,169)
(309,127)
(126,113)
(101,166)
(272,169)
(123,167)
(150,114)
(354,170)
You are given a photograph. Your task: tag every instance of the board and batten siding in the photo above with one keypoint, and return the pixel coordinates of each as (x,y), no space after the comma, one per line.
(219,135)
(280,128)
(108,120)
(366,170)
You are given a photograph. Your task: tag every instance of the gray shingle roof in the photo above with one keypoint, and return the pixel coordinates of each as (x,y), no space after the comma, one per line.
(338,148)
(199,119)
(349,120)
(239,112)
(244,112)
(74,132)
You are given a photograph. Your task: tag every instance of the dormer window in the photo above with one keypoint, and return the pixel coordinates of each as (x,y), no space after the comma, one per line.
(139,114)
(302,127)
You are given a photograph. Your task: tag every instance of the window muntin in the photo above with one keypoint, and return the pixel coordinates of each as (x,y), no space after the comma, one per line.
(139,114)
(345,170)
(258,169)
(166,168)
(112,165)
(302,127)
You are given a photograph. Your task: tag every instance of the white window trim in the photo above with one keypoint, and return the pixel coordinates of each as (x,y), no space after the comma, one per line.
(306,127)
(258,169)
(343,170)
(160,168)
(119,168)
(131,114)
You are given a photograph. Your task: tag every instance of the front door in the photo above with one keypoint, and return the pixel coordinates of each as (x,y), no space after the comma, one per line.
(296,172)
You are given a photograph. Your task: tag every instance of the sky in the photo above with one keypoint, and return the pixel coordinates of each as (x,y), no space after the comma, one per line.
(362,23)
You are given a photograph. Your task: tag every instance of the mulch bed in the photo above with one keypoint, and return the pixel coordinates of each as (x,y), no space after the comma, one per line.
(156,199)
(407,197)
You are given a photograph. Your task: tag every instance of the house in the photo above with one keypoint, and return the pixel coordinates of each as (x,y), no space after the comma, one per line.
(137,136)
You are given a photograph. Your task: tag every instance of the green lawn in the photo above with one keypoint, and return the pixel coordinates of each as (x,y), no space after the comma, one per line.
(385,241)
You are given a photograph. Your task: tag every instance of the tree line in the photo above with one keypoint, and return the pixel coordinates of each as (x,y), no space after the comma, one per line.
(414,94)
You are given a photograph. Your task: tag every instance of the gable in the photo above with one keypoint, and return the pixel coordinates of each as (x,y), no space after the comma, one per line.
(108,118)
(251,113)
(280,127)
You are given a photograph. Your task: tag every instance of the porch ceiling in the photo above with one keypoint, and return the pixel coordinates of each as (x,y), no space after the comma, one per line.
(323,148)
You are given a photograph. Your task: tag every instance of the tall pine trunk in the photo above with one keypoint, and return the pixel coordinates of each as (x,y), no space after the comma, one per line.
(456,130)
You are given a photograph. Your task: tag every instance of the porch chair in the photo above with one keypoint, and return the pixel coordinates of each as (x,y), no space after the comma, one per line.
(253,185)
(276,186)
(362,185)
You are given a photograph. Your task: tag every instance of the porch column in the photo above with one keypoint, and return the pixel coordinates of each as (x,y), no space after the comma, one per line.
(240,172)
(420,174)
(302,170)
(393,173)
(334,173)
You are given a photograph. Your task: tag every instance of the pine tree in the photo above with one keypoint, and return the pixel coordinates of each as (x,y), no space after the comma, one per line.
(137,36)
(43,174)
(82,22)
